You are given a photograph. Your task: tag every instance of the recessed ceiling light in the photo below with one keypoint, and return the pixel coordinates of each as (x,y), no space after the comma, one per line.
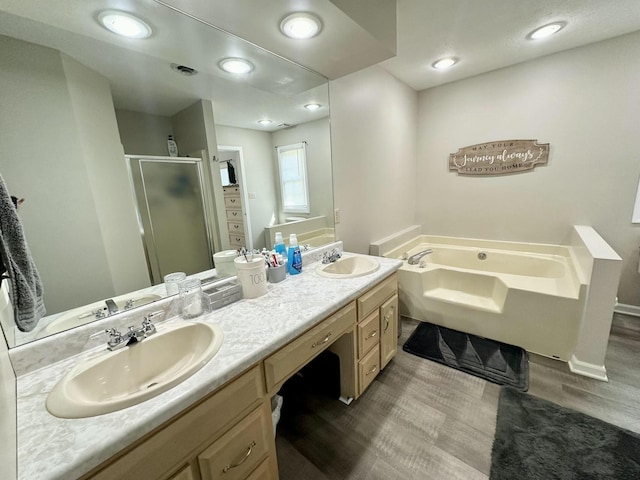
(546,30)
(312,106)
(236,65)
(124,24)
(265,121)
(444,63)
(300,25)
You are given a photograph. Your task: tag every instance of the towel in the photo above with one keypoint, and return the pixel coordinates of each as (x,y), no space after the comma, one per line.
(25,286)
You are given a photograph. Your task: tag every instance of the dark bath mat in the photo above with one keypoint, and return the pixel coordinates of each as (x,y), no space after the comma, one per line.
(539,440)
(488,359)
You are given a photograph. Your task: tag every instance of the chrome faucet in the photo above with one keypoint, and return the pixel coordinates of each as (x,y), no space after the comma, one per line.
(332,256)
(117,340)
(111,306)
(415,259)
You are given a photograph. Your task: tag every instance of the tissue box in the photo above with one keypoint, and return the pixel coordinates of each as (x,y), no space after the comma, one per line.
(224,295)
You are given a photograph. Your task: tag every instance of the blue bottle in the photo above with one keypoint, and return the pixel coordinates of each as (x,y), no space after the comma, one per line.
(279,246)
(294,257)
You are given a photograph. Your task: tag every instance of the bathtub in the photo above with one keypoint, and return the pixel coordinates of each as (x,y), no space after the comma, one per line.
(524,294)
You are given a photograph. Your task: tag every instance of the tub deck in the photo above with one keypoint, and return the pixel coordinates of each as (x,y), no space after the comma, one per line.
(527,295)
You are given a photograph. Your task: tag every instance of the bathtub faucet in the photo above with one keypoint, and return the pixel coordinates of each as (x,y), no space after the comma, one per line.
(415,259)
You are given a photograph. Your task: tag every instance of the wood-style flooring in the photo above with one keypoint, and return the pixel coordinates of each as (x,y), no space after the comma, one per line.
(422,420)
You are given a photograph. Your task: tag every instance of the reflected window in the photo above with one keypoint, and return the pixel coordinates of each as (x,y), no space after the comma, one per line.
(292,167)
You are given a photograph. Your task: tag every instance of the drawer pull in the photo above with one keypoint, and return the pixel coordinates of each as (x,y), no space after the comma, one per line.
(244,459)
(374,369)
(326,339)
(373,334)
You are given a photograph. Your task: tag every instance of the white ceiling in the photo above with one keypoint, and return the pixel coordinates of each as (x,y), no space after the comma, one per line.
(139,71)
(491,34)
(484,34)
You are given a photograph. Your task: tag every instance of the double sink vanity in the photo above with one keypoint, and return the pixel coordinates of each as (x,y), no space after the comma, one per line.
(194,401)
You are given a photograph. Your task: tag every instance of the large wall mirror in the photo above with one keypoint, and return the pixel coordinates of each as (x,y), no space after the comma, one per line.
(86,116)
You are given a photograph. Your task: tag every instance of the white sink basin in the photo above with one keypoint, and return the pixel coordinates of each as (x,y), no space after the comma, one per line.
(133,374)
(349,267)
(86,314)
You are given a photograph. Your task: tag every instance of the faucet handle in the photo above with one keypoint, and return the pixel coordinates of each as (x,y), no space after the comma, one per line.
(148,327)
(115,337)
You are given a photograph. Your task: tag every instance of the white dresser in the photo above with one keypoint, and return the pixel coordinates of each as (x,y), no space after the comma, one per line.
(235,218)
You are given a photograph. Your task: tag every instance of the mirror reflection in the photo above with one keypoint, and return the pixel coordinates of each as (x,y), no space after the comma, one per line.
(138,157)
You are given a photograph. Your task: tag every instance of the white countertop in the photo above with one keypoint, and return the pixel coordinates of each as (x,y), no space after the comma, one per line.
(55,448)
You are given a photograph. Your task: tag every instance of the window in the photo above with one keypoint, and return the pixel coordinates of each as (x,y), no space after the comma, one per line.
(292,166)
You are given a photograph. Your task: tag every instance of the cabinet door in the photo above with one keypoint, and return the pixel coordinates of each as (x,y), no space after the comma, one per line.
(234,455)
(389,327)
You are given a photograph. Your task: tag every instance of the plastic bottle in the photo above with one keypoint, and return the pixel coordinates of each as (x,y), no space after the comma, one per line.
(279,246)
(172,146)
(294,264)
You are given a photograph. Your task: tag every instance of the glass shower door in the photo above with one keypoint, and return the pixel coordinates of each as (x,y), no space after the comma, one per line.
(173,219)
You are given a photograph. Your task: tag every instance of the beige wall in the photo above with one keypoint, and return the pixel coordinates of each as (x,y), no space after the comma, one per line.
(373,142)
(108,176)
(584,103)
(144,134)
(317,136)
(43,161)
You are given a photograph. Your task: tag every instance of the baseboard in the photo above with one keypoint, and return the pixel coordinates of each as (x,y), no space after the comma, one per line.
(599,372)
(625,309)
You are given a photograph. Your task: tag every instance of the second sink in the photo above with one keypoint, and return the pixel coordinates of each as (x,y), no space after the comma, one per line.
(349,267)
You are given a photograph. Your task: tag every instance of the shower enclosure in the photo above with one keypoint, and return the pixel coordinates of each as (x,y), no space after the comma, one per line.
(174,221)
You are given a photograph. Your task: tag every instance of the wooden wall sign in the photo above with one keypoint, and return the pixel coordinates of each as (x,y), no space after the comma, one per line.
(500,157)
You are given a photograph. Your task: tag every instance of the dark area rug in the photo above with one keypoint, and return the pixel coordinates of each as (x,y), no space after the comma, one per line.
(493,361)
(536,439)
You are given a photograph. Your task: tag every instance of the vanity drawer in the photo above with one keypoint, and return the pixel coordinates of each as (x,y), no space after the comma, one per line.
(235,228)
(368,333)
(267,470)
(236,241)
(371,300)
(290,358)
(232,202)
(234,216)
(235,454)
(368,368)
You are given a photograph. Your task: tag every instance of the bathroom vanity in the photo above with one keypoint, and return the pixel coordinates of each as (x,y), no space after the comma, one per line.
(217,423)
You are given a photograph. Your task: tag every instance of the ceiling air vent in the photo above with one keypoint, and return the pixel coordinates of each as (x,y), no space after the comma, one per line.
(285,125)
(184,70)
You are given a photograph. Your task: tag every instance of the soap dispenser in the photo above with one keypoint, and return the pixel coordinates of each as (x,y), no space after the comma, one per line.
(172,146)
(279,246)
(294,260)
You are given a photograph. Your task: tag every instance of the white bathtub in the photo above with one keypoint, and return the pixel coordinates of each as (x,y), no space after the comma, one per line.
(529,295)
